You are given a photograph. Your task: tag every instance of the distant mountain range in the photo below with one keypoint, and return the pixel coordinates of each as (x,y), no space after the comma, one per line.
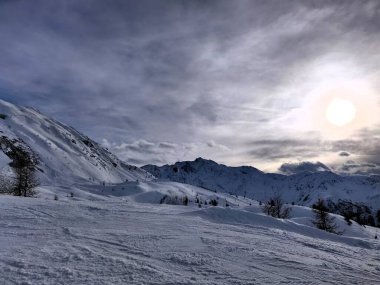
(301,188)
(65,157)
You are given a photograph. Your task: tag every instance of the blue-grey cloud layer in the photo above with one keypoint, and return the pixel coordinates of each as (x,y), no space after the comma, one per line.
(184,72)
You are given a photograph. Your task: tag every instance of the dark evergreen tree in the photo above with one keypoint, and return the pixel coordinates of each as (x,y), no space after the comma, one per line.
(25,178)
(378,218)
(322,219)
(371,221)
(185,201)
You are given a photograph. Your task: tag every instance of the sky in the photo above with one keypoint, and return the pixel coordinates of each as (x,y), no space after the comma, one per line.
(239,82)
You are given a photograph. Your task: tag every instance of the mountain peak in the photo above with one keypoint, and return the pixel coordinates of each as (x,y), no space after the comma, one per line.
(64,154)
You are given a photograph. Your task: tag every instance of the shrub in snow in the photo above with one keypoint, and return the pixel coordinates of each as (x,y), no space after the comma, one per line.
(371,221)
(213,202)
(347,219)
(174,200)
(275,207)
(185,201)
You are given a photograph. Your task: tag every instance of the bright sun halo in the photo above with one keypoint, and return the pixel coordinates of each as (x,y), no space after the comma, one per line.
(340,112)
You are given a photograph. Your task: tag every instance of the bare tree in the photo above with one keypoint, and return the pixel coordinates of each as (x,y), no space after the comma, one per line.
(275,207)
(322,219)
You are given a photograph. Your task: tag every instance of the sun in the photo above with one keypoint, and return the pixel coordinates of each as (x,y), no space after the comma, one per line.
(340,112)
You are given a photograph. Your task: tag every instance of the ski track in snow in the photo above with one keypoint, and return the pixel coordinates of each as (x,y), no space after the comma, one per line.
(115,242)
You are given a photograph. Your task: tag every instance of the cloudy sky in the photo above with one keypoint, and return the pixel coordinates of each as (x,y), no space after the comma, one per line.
(240,82)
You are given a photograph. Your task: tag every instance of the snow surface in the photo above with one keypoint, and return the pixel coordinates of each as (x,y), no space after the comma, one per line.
(116,240)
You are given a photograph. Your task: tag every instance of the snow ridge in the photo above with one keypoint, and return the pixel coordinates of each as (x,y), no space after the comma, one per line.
(65,155)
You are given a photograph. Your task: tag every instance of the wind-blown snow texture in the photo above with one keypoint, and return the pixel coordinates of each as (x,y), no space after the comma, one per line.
(114,241)
(302,188)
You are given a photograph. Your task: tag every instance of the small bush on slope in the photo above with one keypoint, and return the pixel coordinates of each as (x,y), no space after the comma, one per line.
(174,200)
(275,207)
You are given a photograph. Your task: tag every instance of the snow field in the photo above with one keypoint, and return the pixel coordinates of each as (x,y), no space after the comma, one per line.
(128,239)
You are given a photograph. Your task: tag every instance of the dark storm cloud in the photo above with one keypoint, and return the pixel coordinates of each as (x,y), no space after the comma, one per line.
(285,148)
(143,152)
(188,72)
(293,168)
(353,167)
(365,145)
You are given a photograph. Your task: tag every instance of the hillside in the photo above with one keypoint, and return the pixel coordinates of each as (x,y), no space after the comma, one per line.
(64,155)
(302,188)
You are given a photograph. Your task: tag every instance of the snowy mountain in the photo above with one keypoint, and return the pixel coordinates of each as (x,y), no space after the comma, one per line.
(64,155)
(135,229)
(302,188)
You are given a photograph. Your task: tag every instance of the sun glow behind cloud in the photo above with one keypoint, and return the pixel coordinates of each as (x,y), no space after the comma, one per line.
(331,101)
(339,110)
(333,98)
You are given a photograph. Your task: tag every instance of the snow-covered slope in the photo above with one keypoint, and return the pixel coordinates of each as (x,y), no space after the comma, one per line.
(65,156)
(302,189)
(122,242)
